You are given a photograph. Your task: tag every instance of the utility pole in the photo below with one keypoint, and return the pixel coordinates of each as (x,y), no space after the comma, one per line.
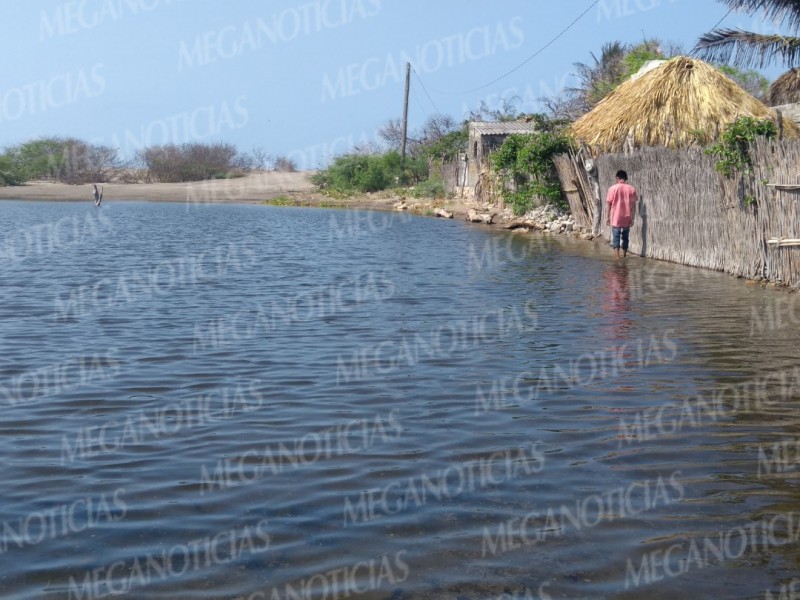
(405,113)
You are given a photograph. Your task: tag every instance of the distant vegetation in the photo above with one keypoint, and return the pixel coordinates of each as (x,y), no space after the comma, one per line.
(67,160)
(194,162)
(75,161)
(369,169)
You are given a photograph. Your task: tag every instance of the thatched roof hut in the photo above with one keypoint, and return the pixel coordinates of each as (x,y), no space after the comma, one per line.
(785,89)
(672,105)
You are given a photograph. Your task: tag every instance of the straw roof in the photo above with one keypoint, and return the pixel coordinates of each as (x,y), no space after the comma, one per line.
(670,106)
(785,89)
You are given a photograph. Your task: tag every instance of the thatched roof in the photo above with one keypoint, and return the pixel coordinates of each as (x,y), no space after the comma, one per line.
(785,89)
(671,105)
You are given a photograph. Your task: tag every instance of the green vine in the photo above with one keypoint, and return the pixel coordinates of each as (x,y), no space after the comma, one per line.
(527,162)
(733,149)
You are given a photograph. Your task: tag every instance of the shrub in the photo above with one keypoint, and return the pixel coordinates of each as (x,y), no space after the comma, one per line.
(430,188)
(369,172)
(192,162)
(283,164)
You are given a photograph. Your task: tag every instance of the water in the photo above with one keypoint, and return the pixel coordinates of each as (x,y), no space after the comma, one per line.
(255,402)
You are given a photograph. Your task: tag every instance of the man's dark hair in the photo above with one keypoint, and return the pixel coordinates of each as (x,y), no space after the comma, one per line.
(622,175)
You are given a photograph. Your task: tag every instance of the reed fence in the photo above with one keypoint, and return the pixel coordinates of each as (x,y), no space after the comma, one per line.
(690,214)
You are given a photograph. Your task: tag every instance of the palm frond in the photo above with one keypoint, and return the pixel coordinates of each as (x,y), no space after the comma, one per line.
(778,11)
(747,49)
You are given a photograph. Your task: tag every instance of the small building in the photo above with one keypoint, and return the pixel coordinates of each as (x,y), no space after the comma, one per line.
(789,111)
(484,137)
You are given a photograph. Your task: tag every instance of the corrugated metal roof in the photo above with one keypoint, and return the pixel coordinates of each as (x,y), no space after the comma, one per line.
(501,127)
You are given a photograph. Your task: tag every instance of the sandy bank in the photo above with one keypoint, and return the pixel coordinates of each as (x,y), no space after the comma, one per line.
(253,188)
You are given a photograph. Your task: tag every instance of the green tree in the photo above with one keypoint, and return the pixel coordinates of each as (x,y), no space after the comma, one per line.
(9,174)
(616,63)
(68,160)
(750,80)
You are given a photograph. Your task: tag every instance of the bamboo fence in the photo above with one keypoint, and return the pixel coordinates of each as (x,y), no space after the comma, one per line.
(577,188)
(689,214)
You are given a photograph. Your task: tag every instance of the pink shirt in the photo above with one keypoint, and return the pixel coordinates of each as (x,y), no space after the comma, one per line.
(621,202)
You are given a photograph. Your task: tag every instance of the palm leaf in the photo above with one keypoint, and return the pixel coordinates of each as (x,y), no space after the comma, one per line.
(747,49)
(778,11)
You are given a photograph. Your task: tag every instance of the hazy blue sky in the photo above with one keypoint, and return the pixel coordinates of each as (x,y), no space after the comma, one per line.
(302,78)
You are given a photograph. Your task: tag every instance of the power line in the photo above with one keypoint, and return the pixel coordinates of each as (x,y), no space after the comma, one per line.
(419,103)
(721,20)
(436,108)
(530,58)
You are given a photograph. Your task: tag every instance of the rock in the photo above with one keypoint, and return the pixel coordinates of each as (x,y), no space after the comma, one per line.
(401,205)
(442,213)
(570,226)
(473,216)
(587,236)
(518,224)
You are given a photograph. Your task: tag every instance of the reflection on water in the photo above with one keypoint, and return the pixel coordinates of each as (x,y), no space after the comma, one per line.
(618,299)
(244,402)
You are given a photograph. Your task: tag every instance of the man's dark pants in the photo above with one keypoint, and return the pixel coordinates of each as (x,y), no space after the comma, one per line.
(620,234)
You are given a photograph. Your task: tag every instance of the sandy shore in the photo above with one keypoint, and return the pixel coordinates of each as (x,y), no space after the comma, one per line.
(293,189)
(253,188)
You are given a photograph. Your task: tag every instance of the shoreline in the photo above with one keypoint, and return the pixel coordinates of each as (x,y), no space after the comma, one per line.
(295,189)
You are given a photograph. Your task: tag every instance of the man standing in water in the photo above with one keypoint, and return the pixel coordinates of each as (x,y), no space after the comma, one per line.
(621,202)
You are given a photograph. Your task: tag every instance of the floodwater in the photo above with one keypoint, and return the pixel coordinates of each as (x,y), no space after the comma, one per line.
(278,403)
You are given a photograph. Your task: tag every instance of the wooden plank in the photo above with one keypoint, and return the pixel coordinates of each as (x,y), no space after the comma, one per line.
(785,186)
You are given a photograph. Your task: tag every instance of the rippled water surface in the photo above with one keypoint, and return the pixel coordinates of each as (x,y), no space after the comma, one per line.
(256,402)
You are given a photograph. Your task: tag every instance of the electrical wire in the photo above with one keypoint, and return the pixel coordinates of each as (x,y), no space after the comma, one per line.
(436,108)
(527,60)
(721,20)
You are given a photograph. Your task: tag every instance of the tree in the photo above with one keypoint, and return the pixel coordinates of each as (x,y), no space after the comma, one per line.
(435,129)
(751,81)
(68,160)
(507,111)
(391,132)
(598,79)
(748,49)
(616,63)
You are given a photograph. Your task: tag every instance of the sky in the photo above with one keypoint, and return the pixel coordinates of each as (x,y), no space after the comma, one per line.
(303,79)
